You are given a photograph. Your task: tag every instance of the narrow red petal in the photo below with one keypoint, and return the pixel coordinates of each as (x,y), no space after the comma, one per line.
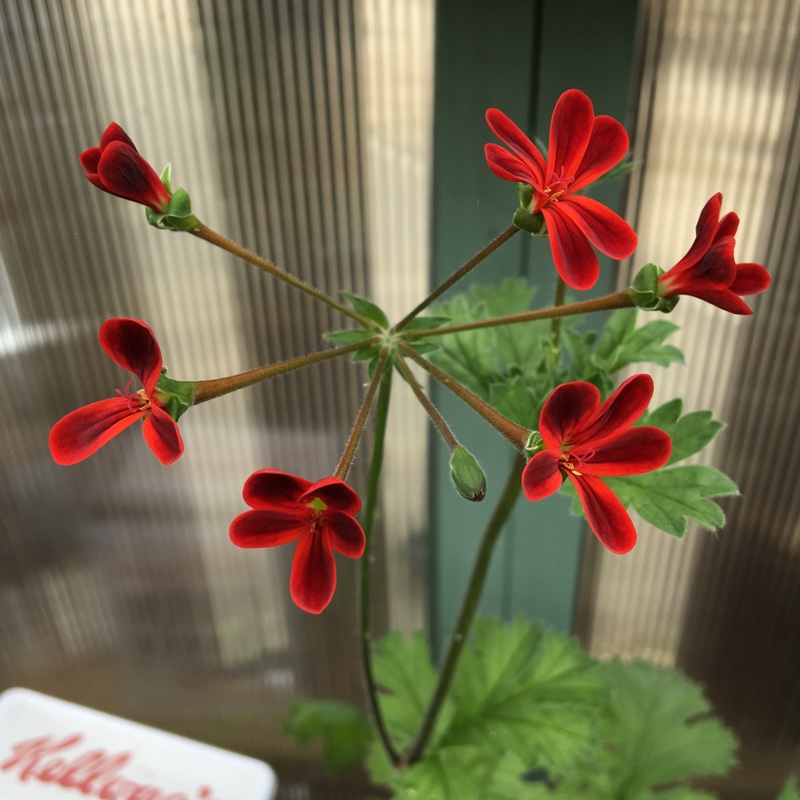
(131,344)
(721,298)
(541,476)
(115,133)
(333,492)
(607,147)
(267,528)
(570,131)
(345,533)
(606,230)
(506,165)
(90,159)
(271,488)
(567,407)
(573,256)
(606,515)
(505,130)
(750,279)
(727,226)
(313,573)
(633,452)
(162,435)
(126,174)
(716,269)
(705,231)
(619,411)
(84,431)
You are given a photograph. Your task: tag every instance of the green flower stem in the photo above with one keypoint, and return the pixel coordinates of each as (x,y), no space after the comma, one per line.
(501,513)
(208,390)
(433,413)
(368,521)
(358,426)
(608,303)
(558,302)
(459,274)
(515,434)
(205,233)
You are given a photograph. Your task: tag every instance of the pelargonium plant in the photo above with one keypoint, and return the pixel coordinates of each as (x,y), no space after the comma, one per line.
(512,711)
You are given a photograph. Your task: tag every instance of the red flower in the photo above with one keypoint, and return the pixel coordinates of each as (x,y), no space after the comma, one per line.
(131,344)
(318,516)
(582,148)
(117,168)
(586,440)
(709,271)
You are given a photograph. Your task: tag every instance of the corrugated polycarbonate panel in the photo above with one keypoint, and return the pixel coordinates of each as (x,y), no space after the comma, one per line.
(718,111)
(286,120)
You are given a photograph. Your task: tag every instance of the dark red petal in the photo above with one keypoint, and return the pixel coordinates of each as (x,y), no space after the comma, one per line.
(267,528)
(505,130)
(90,159)
(607,231)
(607,147)
(705,230)
(618,412)
(567,407)
(333,492)
(313,573)
(606,515)
(750,279)
(727,226)
(115,133)
(507,166)
(573,256)
(84,431)
(541,476)
(126,174)
(722,298)
(131,344)
(570,131)
(633,452)
(345,533)
(271,488)
(162,435)
(716,269)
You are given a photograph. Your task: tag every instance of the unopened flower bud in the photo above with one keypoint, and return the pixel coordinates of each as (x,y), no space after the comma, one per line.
(468,477)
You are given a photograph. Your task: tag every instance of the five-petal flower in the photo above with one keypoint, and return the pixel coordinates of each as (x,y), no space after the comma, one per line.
(586,440)
(709,271)
(582,148)
(117,168)
(131,344)
(319,516)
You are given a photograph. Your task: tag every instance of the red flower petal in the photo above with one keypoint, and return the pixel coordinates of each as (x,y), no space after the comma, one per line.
(345,533)
(89,160)
(607,231)
(573,256)
(505,130)
(566,408)
(633,452)
(271,488)
(750,279)
(313,578)
(162,435)
(126,174)
(115,133)
(541,476)
(727,226)
(705,229)
(721,298)
(333,492)
(607,147)
(84,431)
(619,411)
(606,515)
(270,528)
(507,166)
(570,132)
(131,344)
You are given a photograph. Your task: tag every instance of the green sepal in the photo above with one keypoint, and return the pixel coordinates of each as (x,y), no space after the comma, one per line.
(534,445)
(366,353)
(176,397)
(349,336)
(533,223)
(367,309)
(178,216)
(426,323)
(644,292)
(166,177)
(422,346)
(525,195)
(467,475)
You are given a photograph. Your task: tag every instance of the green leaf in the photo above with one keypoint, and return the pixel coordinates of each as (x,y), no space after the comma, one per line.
(666,497)
(346,732)
(661,732)
(690,433)
(523,690)
(349,336)
(451,773)
(789,792)
(426,323)
(367,309)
